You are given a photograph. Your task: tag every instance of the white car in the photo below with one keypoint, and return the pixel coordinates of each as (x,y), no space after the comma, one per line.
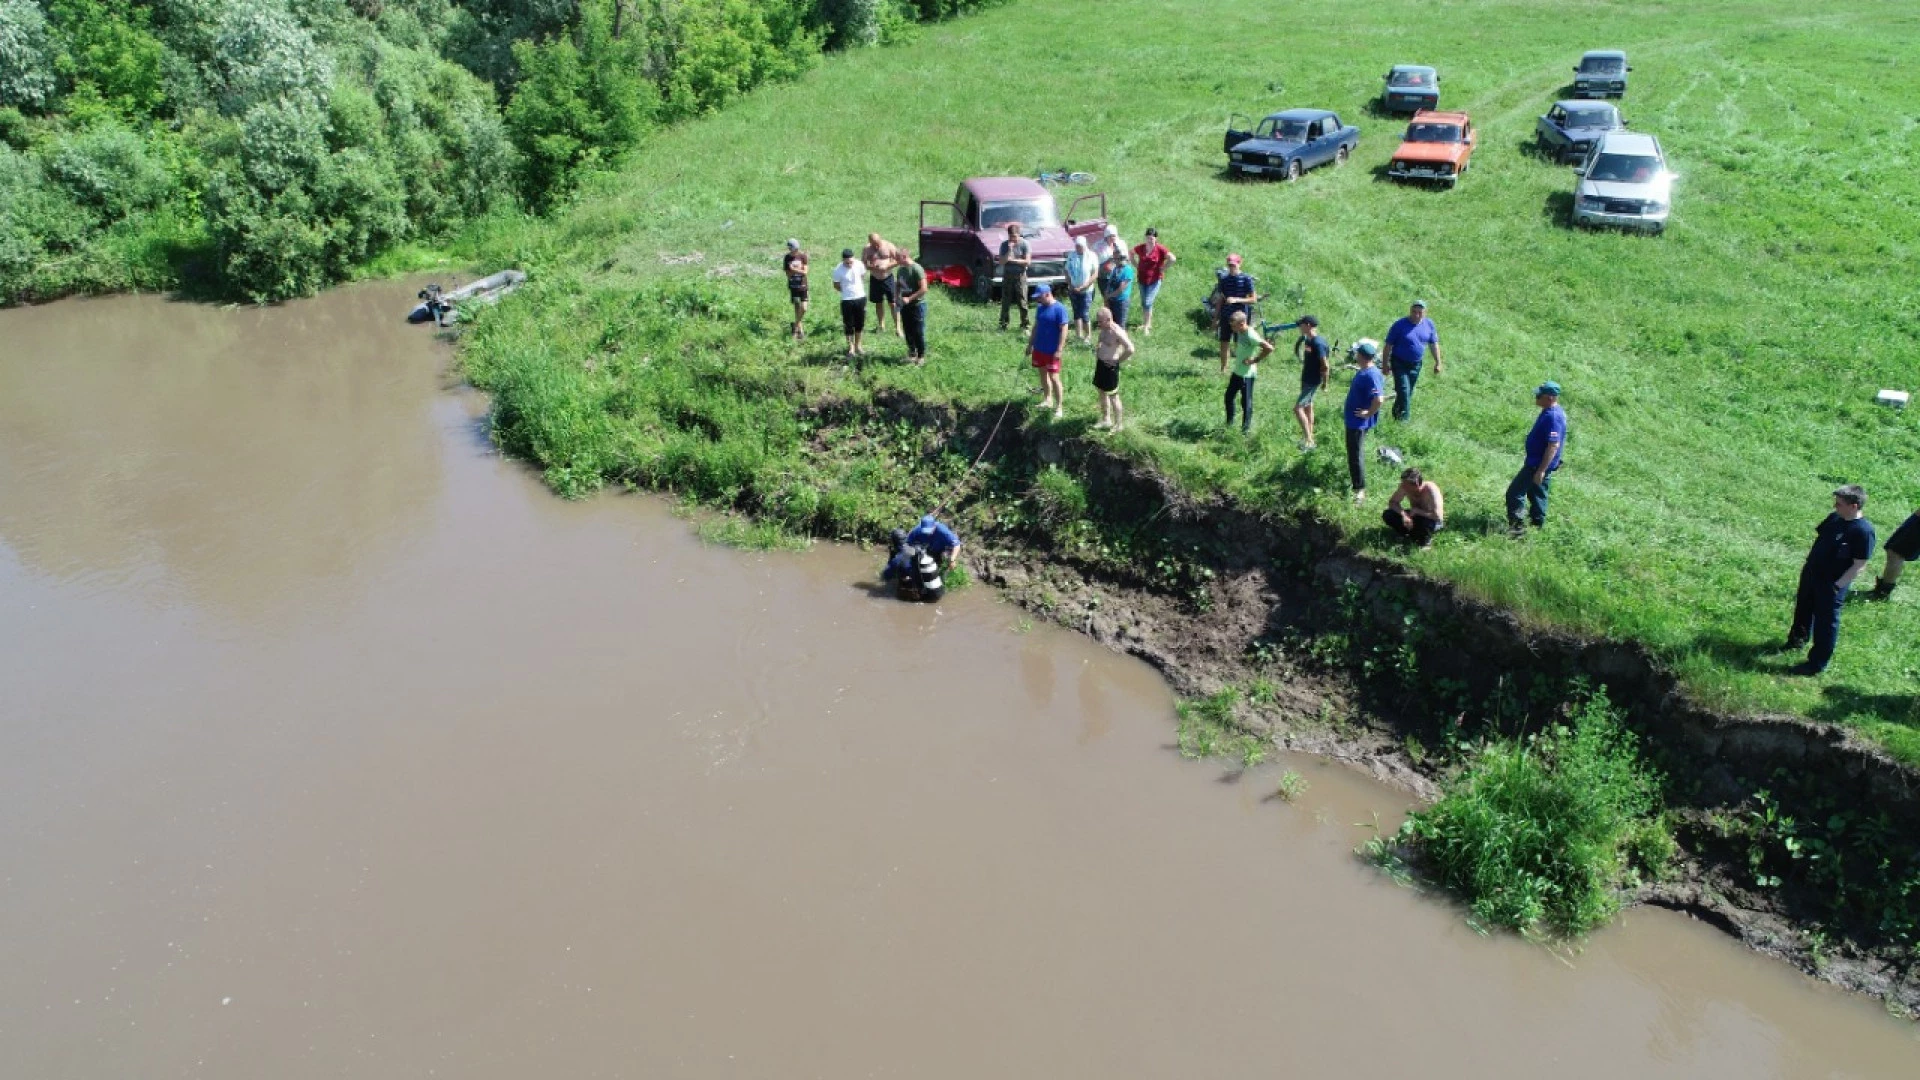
(1624,184)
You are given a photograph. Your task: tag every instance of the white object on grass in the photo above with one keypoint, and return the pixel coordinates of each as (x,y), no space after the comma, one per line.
(1895,398)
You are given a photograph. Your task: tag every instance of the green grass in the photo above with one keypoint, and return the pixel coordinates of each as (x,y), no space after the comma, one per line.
(1544,833)
(1718,379)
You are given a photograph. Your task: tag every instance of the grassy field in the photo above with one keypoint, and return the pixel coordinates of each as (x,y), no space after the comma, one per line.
(1719,379)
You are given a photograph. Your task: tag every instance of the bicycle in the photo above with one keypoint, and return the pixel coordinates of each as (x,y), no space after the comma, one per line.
(1055,178)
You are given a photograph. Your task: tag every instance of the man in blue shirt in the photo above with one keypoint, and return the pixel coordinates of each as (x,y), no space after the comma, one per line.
(1044,344)
(1407,343)
(1842,544)
(1235,293)
(1364,396)
(934,537)
(1544,443)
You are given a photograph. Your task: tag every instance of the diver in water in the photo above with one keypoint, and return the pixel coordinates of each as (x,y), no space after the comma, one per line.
(914,573)
(434,305)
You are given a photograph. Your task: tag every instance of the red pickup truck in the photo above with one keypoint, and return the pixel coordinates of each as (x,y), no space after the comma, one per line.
(969,230)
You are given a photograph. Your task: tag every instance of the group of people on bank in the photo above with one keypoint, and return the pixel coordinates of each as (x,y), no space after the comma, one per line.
(1103,279)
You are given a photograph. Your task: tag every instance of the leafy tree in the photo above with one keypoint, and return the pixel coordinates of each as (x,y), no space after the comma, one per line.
(107,169)
(107,51)
(26,65)
(577,105)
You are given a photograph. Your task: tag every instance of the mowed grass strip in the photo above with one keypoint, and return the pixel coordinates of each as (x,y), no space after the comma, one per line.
(1719,380)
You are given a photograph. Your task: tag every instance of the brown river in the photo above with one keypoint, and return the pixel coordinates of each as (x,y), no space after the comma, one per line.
(332,745)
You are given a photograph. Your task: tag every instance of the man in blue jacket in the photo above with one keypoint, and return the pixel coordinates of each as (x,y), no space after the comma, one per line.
(934,537)
(1842,544)
(1406,344)
(1535,479)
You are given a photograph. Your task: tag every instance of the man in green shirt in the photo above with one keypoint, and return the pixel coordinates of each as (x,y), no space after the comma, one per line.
(910,281)
(1249,348)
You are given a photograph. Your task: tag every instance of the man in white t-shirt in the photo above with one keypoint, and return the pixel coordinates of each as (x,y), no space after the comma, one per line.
(850,277)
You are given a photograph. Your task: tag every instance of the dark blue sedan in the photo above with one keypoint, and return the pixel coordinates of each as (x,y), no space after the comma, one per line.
(1570,128)
(1288,143)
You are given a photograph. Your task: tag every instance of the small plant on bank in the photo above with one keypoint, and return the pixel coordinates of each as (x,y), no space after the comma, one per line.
(1542,834)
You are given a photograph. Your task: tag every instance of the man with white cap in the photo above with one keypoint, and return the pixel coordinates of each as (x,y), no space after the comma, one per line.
(1083,272)
(1365,395)
(794,265)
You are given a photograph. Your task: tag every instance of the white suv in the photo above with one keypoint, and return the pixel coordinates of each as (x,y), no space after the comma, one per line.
(1624,183)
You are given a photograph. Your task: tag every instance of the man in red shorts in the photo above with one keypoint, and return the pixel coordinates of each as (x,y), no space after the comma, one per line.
(1044,345)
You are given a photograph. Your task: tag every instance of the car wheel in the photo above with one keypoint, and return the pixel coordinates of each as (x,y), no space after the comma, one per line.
(983,283)
(1340,156)
(1293,169)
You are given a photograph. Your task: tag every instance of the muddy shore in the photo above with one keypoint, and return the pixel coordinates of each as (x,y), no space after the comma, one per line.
(1270,585)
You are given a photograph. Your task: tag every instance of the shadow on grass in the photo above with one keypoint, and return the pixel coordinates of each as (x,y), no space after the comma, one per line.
(1844,705)
(1378,111)
(1557,209)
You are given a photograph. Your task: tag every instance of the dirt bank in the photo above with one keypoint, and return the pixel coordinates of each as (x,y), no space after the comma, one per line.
(1365,661)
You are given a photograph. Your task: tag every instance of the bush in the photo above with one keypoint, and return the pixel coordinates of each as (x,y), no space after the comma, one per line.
(262,55)
(26,58)
(1540,833)
(107,169)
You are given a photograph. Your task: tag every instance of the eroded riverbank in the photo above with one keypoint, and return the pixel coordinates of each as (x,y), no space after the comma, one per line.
(333,740)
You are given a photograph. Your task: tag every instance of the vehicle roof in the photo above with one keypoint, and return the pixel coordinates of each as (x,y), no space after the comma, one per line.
(1300,114)
(1428,68)
(1005,187)
(1629,142)
(1582,104)
(1436,116)
(1604,54)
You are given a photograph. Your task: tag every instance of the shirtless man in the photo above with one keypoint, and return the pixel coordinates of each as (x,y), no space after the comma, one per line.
(880,258)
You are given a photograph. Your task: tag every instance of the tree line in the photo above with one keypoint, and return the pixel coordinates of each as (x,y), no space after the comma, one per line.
(265,148)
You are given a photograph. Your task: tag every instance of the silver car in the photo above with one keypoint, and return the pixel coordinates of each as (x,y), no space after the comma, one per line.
(1624,184)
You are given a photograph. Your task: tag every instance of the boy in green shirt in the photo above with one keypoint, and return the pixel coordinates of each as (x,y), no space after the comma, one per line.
(1249,348)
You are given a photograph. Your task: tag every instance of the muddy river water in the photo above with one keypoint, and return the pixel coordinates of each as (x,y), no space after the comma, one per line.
(331,745)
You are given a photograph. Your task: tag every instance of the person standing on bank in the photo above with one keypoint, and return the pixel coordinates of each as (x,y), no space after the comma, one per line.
(1425,512)
(1312,350)
(910,282)
(1044,344)
(1842,544)
(1116,285)
(1112,350)
(1902,548)
(1249,348)
(1236,294)
(1364,397)
(851,279)
(1015,256)
(880,257)
(1545,441)
(1083,276)
(1407,343)
(794,263)
(1151,260)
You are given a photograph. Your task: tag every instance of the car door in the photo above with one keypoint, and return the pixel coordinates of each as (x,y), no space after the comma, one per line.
(1336,136)
(946,241)
(1239,130)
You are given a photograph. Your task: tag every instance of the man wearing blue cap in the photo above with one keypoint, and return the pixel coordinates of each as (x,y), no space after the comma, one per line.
(1364,397)
(1049,336)
(936,539)
(1406,345)
(1544,443)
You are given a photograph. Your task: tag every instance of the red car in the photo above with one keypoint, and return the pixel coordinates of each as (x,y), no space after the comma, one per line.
(1437,147)
(969,230)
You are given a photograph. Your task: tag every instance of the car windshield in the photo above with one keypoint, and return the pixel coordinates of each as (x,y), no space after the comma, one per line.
(1598,117)
(1282,130)
(1409,78)
(1602,65)
(1625,168)
(1433,133)
(1031,214)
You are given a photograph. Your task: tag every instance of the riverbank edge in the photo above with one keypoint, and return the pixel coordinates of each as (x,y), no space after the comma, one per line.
(1267,574)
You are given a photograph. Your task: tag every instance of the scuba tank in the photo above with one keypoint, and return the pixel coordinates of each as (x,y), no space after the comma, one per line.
(927,570)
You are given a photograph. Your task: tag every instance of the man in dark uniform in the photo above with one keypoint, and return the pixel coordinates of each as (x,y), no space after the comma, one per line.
(1902,548)
(1842,544)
